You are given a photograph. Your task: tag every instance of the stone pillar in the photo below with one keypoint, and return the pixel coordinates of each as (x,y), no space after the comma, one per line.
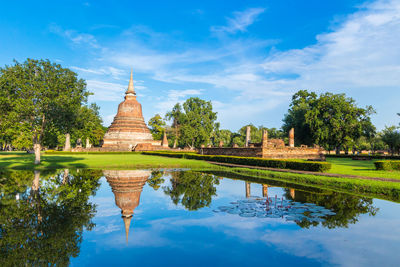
(265,190)
(67,146)
(265,138)
(292,194)
(247,136)
(248,194)
(164,142)
(88,145)
(221,144)
(291,137)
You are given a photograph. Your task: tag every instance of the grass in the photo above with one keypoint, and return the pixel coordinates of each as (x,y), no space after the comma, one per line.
(380,189)
(360,168)
(24,161)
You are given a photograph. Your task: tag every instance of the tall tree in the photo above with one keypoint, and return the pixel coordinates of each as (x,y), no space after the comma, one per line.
(302,102)
(196,122)
(335,120)
(157,127)
(176,116)
(41,93)
(391,137)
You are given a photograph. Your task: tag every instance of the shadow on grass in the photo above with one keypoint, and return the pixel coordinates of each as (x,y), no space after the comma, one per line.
(26,162)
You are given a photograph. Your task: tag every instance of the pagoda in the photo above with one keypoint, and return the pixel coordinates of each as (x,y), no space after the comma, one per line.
(127,187)
(128,128)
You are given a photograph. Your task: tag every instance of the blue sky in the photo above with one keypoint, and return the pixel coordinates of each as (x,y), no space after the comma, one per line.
(247,57)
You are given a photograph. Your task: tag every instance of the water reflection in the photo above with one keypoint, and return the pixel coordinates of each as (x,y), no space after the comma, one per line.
(127,187)
(43,216)
(194,190)
(46,219)
(348,208)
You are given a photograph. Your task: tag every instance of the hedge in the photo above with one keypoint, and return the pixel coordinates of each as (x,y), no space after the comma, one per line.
(251,161)
(362,156)
(387,165)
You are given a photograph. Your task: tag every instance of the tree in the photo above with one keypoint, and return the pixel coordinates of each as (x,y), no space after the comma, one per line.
(176,116)
(41,93)
(302,102)
(391,137)
(330,120)
(157,127)
(335,120)
(196,122)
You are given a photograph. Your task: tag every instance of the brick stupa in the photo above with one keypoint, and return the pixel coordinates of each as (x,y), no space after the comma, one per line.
(127,187)
(128,128)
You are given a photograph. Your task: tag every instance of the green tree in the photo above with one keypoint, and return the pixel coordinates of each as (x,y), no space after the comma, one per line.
(157,127)
(335,120)
(302,102)
(176,116)
(391,137)
(196,122)
(41,93)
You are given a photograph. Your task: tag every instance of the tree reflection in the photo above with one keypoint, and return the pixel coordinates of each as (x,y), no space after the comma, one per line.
(156,179)
(193,190)
(347,207)
(42,220)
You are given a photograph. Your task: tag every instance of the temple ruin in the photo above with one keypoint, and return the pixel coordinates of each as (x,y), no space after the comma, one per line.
(128,128)
(268,148)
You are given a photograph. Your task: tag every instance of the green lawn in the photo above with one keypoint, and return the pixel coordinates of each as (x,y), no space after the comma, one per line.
(111,161)
(360,168)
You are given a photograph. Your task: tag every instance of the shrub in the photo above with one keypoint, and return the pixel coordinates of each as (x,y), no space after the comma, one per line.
(268,163)
(387,165)
(362,156)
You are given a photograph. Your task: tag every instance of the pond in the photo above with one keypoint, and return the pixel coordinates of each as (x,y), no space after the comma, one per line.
(187,218)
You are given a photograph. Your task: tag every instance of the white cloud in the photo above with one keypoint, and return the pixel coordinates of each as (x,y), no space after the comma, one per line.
(359,57)
(75,37)
(240,21)
(105,90)
(175,96)
(115,73)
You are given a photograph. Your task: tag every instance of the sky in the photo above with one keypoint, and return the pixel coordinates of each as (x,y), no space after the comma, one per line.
(247,57)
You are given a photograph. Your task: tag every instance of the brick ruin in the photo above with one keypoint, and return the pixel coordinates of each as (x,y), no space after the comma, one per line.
(268,148)
(128,131)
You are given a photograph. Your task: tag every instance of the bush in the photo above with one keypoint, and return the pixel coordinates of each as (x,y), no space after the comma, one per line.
(301,165)
(362,156)
(387,165)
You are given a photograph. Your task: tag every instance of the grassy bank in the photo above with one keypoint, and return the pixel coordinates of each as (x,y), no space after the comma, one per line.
(24,161)
(379,189)
(360,168)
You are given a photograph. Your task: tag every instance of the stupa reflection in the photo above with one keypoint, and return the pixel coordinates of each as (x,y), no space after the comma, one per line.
(127,185)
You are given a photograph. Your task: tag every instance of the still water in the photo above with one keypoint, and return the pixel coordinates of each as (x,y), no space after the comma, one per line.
(186,218)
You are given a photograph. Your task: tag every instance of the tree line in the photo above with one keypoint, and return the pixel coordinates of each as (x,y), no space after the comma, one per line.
(41,102)
(332,121)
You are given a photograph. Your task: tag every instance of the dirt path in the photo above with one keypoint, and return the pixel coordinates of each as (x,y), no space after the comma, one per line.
(308,172)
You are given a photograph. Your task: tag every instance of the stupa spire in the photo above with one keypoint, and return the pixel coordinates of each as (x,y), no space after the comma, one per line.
(131,88)
(127,223)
